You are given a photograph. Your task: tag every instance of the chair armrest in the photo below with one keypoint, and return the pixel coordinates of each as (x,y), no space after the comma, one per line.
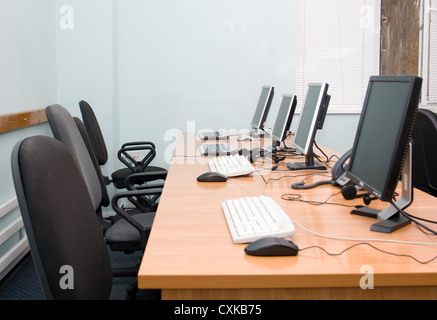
(136,143)
(130,195)
(132,184)
(136,166)
(131,178)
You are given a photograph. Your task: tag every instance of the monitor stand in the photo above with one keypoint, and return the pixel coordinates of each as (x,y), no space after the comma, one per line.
(390,219)
(309,164)
(258,133)
(276,147)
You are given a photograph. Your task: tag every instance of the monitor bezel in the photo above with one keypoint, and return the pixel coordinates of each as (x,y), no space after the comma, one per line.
(265,109)
(402,140)
(289,117)
(307,148)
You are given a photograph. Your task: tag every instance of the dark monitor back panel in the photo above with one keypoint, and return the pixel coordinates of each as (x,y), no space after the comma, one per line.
(383,133)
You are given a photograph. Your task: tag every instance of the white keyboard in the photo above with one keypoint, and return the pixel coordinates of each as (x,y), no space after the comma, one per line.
(213,135)
(231,166)
(219,149)
(252,218)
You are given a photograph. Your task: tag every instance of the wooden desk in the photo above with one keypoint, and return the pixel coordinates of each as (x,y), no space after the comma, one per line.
(190,254)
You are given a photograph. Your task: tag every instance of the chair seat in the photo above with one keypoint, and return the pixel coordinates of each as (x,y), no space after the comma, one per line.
(119,176)
(122,236)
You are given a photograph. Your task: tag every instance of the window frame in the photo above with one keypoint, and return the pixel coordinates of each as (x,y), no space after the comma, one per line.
(426,47)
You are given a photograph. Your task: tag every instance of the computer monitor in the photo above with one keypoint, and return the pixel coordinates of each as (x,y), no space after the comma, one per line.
(283,118)
(258,121)
(381,154)
(262,109)
(311,119)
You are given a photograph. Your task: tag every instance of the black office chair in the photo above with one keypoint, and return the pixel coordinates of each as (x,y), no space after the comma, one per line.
(60,222)
(147,204)
(425,152)
(131,231)
(124,154)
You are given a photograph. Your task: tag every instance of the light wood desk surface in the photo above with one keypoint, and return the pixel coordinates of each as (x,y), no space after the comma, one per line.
(190,253)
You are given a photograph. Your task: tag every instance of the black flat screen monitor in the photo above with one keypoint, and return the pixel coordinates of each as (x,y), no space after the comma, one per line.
(263,108)
(383,136)
(311,119)
(284,118)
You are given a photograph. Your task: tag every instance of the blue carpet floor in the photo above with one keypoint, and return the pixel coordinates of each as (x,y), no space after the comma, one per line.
(23,284)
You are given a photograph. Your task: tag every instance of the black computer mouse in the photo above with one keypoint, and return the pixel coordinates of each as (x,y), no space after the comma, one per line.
(212,177)
(271,246)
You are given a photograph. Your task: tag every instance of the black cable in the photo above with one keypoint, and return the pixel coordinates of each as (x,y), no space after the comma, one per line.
(286,147)
(333,156)
(409,217)
(276,179)
(307,175)
(297,197)
(301,185)
(327,158)
(372,246)
(421,219)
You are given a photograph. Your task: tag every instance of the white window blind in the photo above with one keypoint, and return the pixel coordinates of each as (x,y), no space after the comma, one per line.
(338,41)
(429,95)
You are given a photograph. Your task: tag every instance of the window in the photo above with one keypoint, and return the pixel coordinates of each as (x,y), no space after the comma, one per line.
(429,55)
(338,42)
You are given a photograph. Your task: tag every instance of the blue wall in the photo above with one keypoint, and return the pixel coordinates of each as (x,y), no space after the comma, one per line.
(28,81)
(150,69)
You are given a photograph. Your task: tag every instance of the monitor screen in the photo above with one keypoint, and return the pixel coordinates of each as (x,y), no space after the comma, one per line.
(262,110)
(284,117)
(383,133)
(315,104)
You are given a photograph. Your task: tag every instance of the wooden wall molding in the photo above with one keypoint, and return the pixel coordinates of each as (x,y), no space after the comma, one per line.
(19,120)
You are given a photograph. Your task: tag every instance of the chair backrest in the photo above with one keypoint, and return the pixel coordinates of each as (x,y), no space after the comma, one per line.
(105,196)
(66,242)
(425,151)
(65,129)
(94,132)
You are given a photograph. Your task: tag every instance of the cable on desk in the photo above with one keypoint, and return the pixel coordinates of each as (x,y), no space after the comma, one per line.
(308,175)
(333,156)
(185,156)
(286,147)
(365,240)
(372,246)
(327,158)
(301,185)
(414,219)
(298,197)
(235,134)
